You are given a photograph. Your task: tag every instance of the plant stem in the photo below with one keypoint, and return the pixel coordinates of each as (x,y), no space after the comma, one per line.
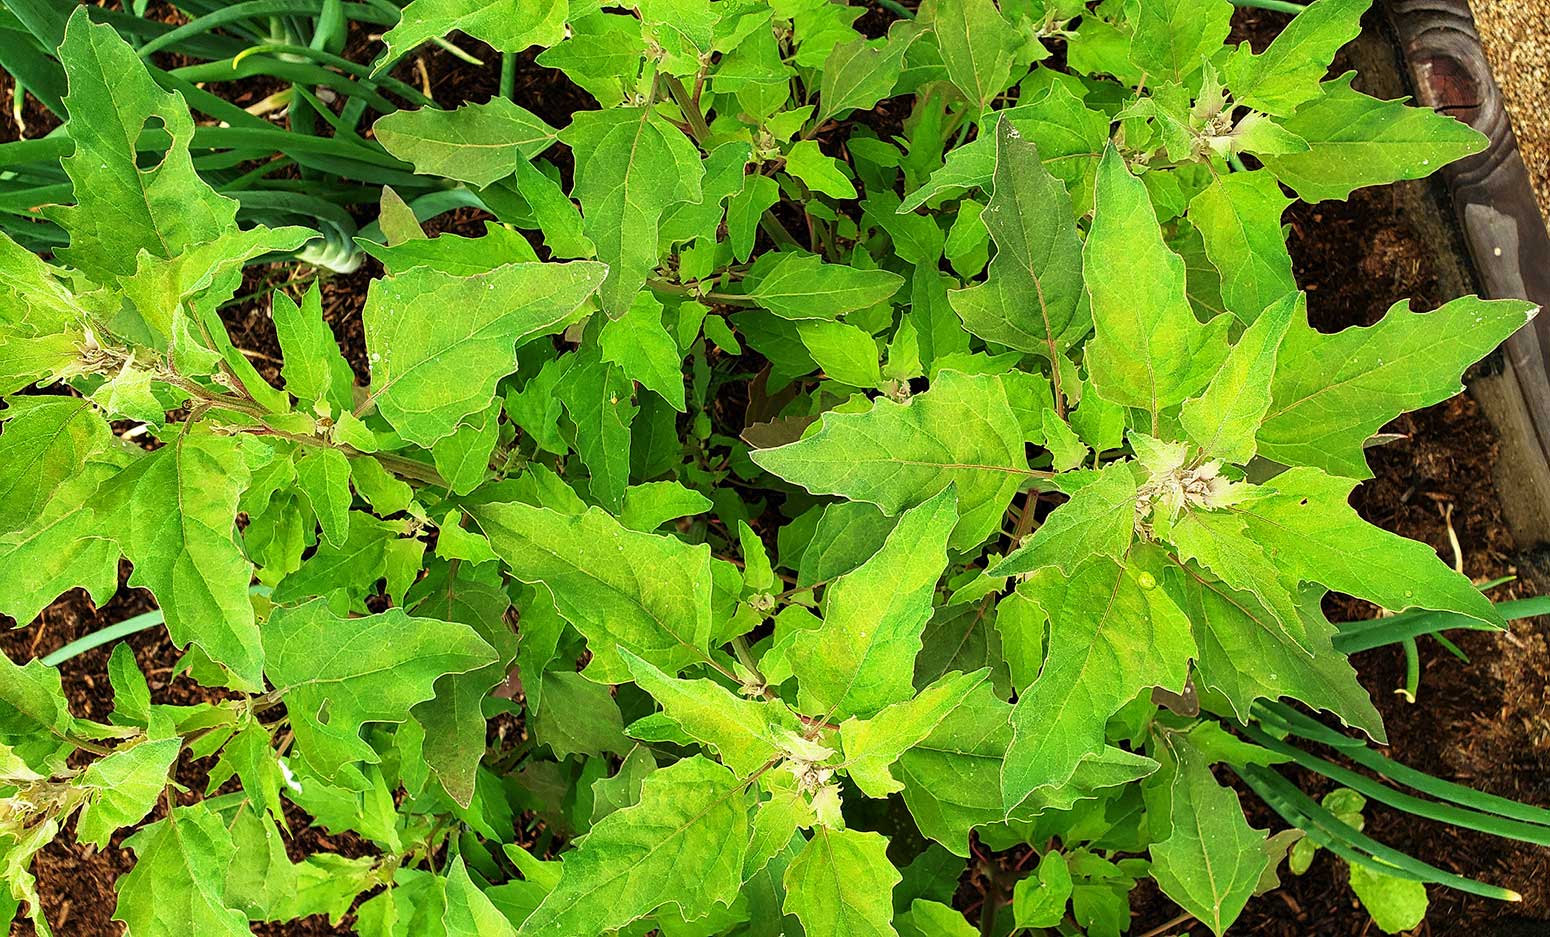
(508,75)
(1169,925)
(899,9)
(1278,6)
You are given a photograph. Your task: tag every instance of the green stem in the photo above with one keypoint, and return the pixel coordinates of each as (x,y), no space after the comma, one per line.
(1279,6)
(508,75)
(896,8)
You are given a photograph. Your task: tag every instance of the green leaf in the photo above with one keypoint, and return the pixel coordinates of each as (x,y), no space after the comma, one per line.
(872,745)
(579,717)
(1304,519)
(1112,634)
(819,172)
(1225,418)
(639,344)
(336,674)
(174,514)
(858,74)
(630,168)
(46,441)
(1239,218)
(1173,38)
(314,368)
(1331,393)
(934,919)
(959,432)
(323,477)
(1396,904)
(1357,141)
(597,396)
(801,286)
(977,45)
(843,352)
(506,27)
(619,587)
(61,549)
(469,913)
(743,733)
(430,370)
(1032,299)
(1287,74)
(758,194)
(682,845)
(863,656)
(1040,900)
(463,458)
(1099,520)
(177,886)
(477,143)
(1149,350)
(840,885)
(1211,860)
(123,787)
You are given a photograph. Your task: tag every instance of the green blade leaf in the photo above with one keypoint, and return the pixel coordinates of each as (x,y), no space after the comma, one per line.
(469,912)
(871,746)
(506,27)
(47,440)
(336,674)
(1173,38)
(1112,633)
(1287,74)
(682,845)
(959,432)
(1225,418)
(841,885)
(477,143)
(977,45)
(174,514)
(619,587)
(1212,860)
(177,886)
(314,370)
(1032,298)
(124,787)
(630,168)
(858,74)
(862,658)
(1239,218)
(802,286)
(1331,393)
(1099,520)
(1149,350)
(430,370)
(1355,141)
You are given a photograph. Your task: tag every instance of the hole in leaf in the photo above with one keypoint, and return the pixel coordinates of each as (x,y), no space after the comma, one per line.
(151,144)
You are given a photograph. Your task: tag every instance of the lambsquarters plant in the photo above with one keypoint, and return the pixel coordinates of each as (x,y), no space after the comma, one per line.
(776,502)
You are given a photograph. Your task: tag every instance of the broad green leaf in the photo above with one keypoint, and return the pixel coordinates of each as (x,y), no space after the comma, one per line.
(1219,541)
(844,352)
(1239,217)
(959,432)
(174,515)
(1331,393)
(323,477)
(871,746)
(858,74)
(802,286)
(1211,860)
(61,549)
(1287,74)
(477,143)
(603,54)
(598,398)
(1149,350)
(579,717)
(1304,519)
(848,533)
(639,344)
(430,370)
(743,733)
(841,884)
(1173,38)
(46,441)
(122,209)
(1396,904)
(556,215)
(619,587)
(336,674)
(1112,634)
(819,172)
(1099,520)
(469,913)
(1040,899)
(463,458)
(123,787)
(682,845)
(935,919)
(1225,418)
(649,506)
(1245,654)
(977,45)
(314,368)
(352,568)
(508,27)
(863,656)
(1032,299)
(177,885)
(1357,141)
(35,719)
(630,168)
(744,210)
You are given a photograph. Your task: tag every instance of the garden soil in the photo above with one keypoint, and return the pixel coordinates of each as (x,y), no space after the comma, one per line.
(1484,723)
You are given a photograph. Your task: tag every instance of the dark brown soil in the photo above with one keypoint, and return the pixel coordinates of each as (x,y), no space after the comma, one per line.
(1485,723)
